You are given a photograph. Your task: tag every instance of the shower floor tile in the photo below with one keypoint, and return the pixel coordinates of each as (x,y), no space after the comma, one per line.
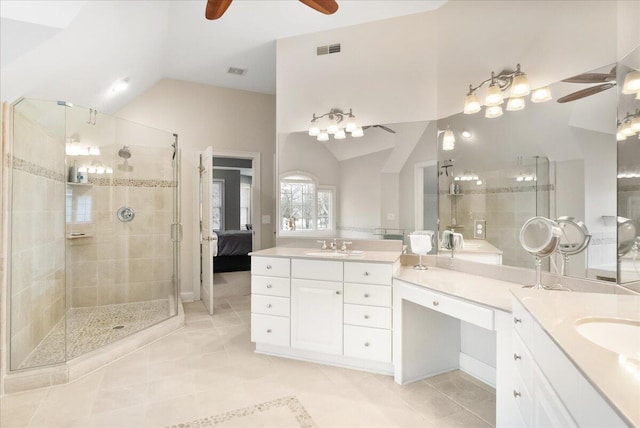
(90,328)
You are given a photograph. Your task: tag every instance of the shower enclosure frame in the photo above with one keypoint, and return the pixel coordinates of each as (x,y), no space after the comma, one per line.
(8,168)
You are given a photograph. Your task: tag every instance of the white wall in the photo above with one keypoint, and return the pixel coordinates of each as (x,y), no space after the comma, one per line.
(202,116)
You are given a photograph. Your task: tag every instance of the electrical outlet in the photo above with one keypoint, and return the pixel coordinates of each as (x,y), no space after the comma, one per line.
(479,229)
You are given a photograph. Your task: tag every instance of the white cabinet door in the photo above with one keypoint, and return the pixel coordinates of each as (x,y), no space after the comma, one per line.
(316,315)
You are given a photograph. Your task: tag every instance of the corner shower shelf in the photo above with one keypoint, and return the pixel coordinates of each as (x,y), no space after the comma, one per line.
(78,236)
(79,184)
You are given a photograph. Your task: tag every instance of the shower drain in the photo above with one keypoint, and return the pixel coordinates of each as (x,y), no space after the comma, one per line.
(118,327)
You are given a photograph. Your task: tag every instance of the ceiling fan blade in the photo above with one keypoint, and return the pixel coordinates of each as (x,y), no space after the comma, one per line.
(386,129)
(327,7)
(591,78)
(216,8)
(585,92)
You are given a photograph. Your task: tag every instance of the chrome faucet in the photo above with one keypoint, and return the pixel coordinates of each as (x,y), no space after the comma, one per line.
(324,245)
(333,245)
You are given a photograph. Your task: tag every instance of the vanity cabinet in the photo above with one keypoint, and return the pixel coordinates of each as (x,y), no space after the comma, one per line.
(548,390)
(337,312)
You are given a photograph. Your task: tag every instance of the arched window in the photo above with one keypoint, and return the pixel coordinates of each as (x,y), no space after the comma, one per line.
(304,205)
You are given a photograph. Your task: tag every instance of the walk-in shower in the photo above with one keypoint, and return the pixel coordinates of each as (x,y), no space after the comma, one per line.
(82,276)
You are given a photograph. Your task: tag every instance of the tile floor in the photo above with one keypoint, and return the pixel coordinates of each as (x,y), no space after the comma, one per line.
(208,369)
(90,328)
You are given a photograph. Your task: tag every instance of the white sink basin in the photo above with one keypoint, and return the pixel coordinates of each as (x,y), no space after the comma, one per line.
(618,335)
(334,253)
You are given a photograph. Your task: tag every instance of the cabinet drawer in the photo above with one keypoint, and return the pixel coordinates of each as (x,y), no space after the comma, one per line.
(270,286)
(522,362)
(367,343)
(368,273)
(270,266)
(456,308)
(324,270)
(522,321)
(270,305)
(523,399)
(270,330)
(367,316)
(364,294)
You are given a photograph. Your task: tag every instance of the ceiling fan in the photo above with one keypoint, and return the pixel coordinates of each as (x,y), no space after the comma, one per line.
(216,8)
(606,80)
(379,126)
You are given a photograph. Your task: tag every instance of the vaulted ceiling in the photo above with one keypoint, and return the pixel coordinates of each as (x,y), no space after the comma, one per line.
(75,50)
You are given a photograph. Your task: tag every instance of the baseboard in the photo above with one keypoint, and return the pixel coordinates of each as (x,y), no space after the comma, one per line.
(478,369)
(186,296)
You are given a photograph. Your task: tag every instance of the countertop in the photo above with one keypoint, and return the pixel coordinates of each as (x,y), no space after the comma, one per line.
(476,289)
(557,313)
(316,253)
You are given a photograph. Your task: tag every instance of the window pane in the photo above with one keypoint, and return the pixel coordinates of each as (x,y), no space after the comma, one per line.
(325,198)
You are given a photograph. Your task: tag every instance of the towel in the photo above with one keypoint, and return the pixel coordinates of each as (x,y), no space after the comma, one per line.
(451,240)
(421,241)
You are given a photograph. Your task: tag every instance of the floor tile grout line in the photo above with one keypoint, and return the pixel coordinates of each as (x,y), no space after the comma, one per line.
(462,405)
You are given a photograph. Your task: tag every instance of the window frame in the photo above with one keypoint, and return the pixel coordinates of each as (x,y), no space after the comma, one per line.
(215,181)
(317,187)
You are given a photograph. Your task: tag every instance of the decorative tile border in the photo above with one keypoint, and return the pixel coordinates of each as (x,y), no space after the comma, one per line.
(130,182)
(34,169)
(300,413)
(511,189)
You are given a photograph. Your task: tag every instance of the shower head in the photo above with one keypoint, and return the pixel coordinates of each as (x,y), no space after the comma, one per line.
(124,152)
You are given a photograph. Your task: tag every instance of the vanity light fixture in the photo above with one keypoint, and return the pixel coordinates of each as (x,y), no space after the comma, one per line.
(448,139)
(339,124)
(516,81)
(631,83)
(628,126)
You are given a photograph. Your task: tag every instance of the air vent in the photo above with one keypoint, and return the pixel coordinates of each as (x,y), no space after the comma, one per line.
(237,71)
(328,49)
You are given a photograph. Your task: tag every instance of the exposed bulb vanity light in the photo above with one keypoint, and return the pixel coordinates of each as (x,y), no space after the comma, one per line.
(627,129)
(620,136)
(631,82)
(339,125)
(516,81)
(541,95)
(629,125)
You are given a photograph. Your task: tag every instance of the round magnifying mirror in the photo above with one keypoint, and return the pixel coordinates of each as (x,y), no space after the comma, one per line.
(626,235)
(540,236)
(575,236)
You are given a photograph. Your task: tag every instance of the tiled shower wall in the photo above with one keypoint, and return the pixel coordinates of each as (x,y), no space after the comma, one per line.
(124,262)
(503,203)
(37,238)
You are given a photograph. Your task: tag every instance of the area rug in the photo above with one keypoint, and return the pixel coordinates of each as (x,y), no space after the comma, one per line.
(282,412)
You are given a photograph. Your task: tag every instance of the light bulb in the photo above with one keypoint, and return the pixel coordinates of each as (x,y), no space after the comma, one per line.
(541,95)
(323,136)
(631,82)
(492,112)
(332,126)
(351,123)
(620,136)
(520,178)
(93,151)
(82,169)
(635,124)
(358,132)
(448,140)
(638,96)
(471,104)
(109,171)
(466,135)
(99,170)
(627,129)
(520,86)
(515,104)
(91,170)
(494,96)
(314,129)
(479,182)
(340,135)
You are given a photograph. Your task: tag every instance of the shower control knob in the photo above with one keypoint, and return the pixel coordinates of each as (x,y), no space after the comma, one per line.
(269,330)
(366,295)
(366,274)
(269,305)
(268,267)
(269,285)
(367,344)
(366,317)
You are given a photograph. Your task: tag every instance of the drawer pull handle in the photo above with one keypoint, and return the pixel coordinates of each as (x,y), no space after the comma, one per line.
(516,394)
(366,295)
(268,267)
(269,305)
(269,331)
(517,320)
(337,292)
(366,317)
(436,303)
(517,357)
(269,285)
(366,274)
(366,344)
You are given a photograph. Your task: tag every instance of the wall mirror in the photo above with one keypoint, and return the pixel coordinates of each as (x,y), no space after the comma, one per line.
(549,159)
(628,195)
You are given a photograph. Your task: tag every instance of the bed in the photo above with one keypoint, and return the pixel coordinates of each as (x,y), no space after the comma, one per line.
(233,248)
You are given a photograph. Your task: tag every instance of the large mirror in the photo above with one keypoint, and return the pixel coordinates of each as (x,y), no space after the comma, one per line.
(628,202)
(551,159)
